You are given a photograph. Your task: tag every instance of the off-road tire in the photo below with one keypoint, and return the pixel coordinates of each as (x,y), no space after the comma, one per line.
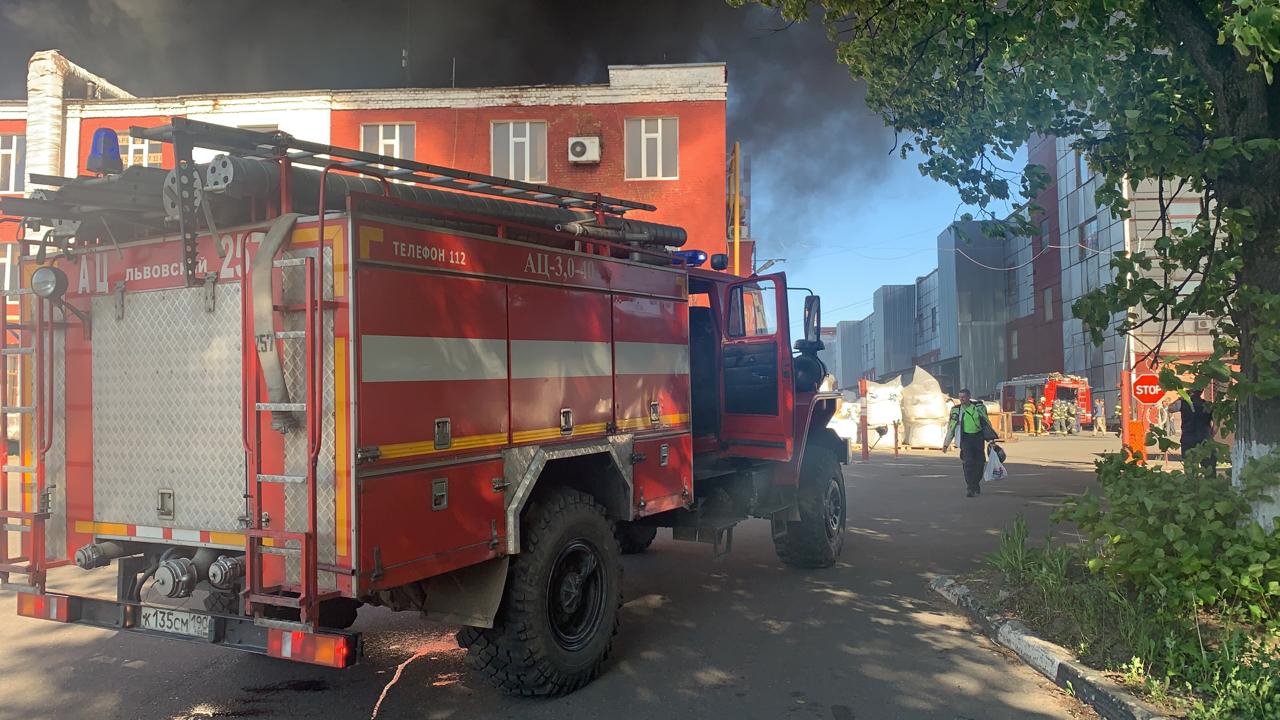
(222,603)
(523,654)
(338,613)
(633,538)
(816,539)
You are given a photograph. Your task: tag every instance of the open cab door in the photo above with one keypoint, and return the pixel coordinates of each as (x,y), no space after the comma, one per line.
(758,402)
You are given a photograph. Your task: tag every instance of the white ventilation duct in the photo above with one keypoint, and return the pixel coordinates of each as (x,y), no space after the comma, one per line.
(51,80)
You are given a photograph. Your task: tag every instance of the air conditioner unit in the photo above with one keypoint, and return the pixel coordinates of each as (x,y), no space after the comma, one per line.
(584,149)
(1204,325)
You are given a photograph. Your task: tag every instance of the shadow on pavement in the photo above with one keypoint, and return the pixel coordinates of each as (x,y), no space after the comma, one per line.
(741,637)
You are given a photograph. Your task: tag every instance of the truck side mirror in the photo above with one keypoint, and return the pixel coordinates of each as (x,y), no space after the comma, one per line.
(812,318)
(719,261)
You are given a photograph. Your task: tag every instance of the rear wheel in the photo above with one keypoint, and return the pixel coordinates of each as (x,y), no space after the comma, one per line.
(222,603)
(560,611)
(816,539)
(633,538)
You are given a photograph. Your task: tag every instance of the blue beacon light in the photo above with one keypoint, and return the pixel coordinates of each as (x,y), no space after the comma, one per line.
(104,153)
(691,258)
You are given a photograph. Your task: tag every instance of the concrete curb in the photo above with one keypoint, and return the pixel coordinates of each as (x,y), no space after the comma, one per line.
(1053,661)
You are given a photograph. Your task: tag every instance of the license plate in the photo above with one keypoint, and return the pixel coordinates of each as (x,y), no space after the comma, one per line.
(178,622)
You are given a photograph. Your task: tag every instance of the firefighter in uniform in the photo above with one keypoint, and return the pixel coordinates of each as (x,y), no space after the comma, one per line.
(966,425)
(1046,416)
(1059,417)
(1029,417)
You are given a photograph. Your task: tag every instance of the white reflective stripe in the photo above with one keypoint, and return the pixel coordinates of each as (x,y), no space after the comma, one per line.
(394,358)
(53,606)
(150,532)
(186,535)
(640,358)
(286,644)
(559,359)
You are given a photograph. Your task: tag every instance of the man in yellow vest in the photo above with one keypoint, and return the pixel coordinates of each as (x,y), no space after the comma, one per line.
(966,426)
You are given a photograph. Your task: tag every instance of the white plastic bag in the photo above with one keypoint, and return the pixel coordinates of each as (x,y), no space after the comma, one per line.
(995,469)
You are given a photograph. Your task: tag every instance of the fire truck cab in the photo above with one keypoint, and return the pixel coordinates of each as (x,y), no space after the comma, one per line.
(296,379)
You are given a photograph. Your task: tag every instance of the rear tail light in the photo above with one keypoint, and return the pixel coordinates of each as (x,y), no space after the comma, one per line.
(337,651)
(44,607)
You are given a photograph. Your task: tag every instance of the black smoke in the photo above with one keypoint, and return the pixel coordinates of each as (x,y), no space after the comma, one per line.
(813,144)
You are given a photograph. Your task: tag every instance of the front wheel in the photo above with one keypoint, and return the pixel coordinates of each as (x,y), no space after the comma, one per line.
(816,539)
(560,610)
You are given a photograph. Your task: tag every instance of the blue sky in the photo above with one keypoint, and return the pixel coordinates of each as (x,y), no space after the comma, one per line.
(883,232)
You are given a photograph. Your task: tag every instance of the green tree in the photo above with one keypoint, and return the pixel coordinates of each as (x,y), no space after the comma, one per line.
(1179,92)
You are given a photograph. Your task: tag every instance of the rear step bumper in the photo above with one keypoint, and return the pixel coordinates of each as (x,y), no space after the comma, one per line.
(330,648)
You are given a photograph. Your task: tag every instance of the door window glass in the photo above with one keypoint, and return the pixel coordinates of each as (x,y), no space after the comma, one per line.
(753,309)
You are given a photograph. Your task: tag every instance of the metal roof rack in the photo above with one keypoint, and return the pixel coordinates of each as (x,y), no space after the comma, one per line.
(277,145)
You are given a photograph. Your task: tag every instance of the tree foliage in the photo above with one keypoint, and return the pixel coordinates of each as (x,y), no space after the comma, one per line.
(1180,92)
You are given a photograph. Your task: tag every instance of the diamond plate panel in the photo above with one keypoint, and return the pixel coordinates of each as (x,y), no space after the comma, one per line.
(55,467)
(167,408)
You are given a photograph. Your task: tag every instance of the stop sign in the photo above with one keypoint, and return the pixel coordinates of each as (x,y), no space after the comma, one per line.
(1146,388)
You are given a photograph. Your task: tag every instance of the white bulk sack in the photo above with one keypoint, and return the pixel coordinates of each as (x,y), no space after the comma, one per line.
(925,411)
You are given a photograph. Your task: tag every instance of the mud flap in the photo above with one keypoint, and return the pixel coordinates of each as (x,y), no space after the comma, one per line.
(469,596)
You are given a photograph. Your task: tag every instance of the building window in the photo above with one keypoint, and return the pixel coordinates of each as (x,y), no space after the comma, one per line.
(1088,238)
(1013,344)
(1082,167)
(519,150)
(1048,303)
(13,154)
(652,149)
(141,151)
(934,319)
(394,140)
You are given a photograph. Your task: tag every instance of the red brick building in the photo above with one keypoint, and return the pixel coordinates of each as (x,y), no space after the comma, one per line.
(1034,340)
(653,133)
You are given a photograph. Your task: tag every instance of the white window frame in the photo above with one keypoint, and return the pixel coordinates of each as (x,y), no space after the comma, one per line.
(642,173)
(397,143)
(132,143)
(1013,344)
(17,169)
(522,145)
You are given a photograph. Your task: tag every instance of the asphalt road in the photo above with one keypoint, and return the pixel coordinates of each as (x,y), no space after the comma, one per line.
(741,637)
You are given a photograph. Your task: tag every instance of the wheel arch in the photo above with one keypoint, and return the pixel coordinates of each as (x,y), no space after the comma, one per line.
(599,468)
(812,431)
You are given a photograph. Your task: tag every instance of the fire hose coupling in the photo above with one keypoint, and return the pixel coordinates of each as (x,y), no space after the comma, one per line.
(96,555)
(176,577)
(225,572)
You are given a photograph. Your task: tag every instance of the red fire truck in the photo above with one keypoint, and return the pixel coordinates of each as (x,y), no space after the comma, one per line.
(1051,387)
(300,378)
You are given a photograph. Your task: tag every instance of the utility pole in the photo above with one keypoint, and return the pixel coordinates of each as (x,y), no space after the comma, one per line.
(735,183)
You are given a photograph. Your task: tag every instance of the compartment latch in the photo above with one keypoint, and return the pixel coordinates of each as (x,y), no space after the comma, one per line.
(164,504)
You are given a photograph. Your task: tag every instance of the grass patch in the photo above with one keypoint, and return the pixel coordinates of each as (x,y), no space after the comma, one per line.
(1211,663)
